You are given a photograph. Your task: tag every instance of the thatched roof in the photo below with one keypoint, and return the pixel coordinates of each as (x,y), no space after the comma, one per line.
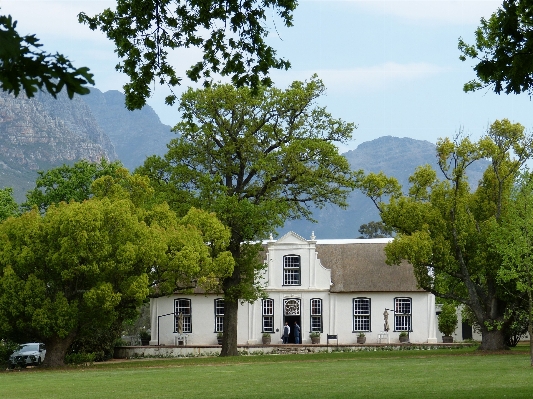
(360,267)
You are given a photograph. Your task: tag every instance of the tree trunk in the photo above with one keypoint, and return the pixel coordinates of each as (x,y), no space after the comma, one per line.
(493,340)
(229,340)
(56,349)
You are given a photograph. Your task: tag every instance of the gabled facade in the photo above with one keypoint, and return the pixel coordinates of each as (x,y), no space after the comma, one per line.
(337,287)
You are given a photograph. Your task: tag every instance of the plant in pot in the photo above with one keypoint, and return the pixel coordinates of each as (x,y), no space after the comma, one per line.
(266,338)
(145,336)
(361,338)
(404,336)
(315,337)
(220,335)
(448,322)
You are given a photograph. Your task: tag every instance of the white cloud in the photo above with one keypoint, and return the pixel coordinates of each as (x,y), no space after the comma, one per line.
(365,79)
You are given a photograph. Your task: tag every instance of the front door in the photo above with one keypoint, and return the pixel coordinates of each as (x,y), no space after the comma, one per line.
(291,313)
(291,320)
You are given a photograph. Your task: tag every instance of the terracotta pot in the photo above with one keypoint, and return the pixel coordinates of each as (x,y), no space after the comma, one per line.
(404,339)
(361,340)
(447,339)
(266,340)
(315,340)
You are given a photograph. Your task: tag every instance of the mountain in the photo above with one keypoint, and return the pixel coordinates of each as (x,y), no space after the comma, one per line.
(43,132)
(135,134)
(396,157)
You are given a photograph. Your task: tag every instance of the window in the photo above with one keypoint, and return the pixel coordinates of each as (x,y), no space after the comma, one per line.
(219,315)
(268,315)
(183,307)
(402,314)
(361,314)
(291,270)
(316,315)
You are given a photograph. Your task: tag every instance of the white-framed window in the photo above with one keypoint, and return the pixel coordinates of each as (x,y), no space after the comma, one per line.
(219,315)
(182,306)
(316,315)
(268,315)
(291,270)
(361,314)
(403,311)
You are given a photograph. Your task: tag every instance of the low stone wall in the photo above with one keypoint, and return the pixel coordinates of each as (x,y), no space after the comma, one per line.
(165,351)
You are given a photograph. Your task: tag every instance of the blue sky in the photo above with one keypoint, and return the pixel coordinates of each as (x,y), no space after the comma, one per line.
(391,67)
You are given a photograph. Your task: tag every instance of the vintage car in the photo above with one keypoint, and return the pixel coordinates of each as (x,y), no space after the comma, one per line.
(31,354)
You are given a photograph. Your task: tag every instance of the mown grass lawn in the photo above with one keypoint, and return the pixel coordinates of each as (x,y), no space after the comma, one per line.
(449,374)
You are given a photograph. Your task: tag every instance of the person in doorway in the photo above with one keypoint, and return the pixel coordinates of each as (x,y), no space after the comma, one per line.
(296,333)
(286,332)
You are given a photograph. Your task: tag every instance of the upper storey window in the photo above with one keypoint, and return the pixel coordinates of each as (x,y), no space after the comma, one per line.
(291,270)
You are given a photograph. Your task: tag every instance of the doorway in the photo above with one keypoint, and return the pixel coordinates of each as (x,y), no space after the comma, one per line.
(291,320)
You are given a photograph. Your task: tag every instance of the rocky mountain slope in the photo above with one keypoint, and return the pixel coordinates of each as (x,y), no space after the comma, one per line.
(43,132)
(135,134)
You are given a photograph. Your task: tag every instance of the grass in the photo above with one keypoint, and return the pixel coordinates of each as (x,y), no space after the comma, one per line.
(458,373)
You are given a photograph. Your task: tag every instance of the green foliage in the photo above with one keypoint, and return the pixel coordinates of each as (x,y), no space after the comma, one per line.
(7,347)
(8,205)
(23,66)
(82,268)
(231,35)
(255,160)
(513,239)
(66,183)
(448,319)
(375,230)
(503,50)
(443,228)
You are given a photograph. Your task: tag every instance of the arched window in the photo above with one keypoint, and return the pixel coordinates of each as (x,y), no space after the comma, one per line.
(291,270)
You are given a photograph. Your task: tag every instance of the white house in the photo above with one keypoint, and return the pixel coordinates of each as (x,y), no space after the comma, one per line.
(337,287)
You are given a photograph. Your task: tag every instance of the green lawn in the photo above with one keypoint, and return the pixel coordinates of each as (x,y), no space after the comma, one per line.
(459,373)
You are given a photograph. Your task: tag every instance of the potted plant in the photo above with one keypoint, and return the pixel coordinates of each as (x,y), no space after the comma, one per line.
(219,338)
(315,337)
(145,336)
(266,338)
(404,336)
(447,322)
(361,338)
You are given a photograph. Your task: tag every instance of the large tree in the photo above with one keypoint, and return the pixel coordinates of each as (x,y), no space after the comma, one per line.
(25,67)
(443,227)
(230,33)
(85,266)
(256,160)
(513,238)
(503,50)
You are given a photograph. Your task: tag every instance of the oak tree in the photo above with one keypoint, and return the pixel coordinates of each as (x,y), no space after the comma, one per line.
(231,35)
(256,160)
(503,50)
(84,266)
(443,227)
(25,67)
